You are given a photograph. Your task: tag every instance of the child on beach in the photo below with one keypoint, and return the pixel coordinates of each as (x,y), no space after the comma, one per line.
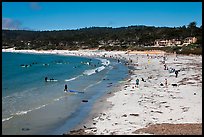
(137,83)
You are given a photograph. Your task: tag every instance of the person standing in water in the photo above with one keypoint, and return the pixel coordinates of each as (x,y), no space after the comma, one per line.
(45,79)
(65,87)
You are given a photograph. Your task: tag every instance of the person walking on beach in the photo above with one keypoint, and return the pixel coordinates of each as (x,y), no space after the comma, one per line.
(176,72)
(164,66)
(65,87)
(166,83)
(137,82)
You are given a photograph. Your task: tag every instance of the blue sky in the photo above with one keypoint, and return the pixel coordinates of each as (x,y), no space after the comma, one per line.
(74,15)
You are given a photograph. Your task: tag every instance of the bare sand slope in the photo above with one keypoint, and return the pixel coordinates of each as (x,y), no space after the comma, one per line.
(151,104)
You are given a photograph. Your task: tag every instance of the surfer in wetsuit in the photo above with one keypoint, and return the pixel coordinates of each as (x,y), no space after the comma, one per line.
(65,87)
(45,79)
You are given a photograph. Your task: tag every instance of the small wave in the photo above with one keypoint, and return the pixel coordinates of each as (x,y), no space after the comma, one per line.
(91,85)
(100,68)
(92,71)
(6,97)
(72,78)
(59,63)
(57,99)
(40,106)
(18,94)
(25,112)
(22,112)
(6,119)
(105,62)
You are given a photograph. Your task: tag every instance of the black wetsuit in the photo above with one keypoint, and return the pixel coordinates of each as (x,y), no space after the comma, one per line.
(45,79)
(65,88)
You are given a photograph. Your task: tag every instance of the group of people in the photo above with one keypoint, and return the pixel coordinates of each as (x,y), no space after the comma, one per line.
(171,70)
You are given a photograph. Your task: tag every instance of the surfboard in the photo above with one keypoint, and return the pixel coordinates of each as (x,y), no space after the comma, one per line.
(73,91)
(52,80)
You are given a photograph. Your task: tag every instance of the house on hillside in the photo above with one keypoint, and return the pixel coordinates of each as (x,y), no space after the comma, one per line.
(159,43)
(164,43)
(189,40)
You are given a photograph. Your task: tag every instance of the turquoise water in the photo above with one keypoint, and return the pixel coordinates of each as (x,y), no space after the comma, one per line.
(32,106)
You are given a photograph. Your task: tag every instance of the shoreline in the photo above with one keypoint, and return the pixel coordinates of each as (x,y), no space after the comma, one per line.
(58,53)
(98,108)
(149,104)
(109,122)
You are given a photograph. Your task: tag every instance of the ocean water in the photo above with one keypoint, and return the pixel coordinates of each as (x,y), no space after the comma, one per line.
(32,106)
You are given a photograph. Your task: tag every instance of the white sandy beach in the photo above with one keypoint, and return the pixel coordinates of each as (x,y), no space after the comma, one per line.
(132,108)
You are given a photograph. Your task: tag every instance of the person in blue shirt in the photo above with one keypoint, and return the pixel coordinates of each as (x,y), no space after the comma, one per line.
(137,83)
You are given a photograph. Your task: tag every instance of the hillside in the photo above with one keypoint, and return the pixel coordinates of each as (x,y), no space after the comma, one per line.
(123,38)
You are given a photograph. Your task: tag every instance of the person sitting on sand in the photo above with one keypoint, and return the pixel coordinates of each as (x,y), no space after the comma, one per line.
(143,80)
(137,83)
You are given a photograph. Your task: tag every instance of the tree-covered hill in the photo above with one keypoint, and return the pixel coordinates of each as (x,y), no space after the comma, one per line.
(122,38)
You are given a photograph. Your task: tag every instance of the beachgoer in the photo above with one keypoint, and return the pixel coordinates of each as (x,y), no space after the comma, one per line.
(65,87)
(148,61)
(176,72)
(166,82)
(45,79)
(137,83)
(118,61)
(164,66)
(164,58)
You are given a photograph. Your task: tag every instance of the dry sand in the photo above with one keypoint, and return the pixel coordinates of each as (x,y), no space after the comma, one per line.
(150,104)
(149,108)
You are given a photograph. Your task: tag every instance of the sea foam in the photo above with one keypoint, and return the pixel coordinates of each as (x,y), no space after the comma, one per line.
(93,71)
